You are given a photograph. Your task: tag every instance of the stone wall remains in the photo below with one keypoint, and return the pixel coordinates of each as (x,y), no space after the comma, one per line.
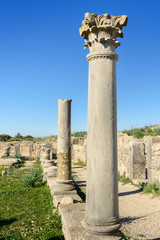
(149,152)
(153,159)
(25,148)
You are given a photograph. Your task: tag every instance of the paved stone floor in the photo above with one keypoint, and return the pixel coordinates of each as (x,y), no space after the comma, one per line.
(139,212)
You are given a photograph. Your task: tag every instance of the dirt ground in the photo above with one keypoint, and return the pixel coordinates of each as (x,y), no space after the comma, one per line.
(139,212)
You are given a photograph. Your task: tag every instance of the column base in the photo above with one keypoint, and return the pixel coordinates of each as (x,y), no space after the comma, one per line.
(108,229)
(64,187)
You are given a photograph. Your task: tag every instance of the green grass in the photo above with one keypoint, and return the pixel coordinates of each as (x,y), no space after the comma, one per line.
(145,187)
(151,188)
(25,212)
(81,163)
(124,180)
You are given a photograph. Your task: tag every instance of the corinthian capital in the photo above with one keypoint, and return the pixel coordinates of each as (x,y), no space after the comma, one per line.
(101,31)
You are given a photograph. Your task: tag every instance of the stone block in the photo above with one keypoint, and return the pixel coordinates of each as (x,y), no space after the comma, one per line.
(149,159)
(67,200)
(137,161)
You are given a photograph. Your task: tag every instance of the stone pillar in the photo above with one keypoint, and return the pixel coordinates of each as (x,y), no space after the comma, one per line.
(137,165)
(17,149)
(64,179)
(30,150)
(100,33)
(149,159)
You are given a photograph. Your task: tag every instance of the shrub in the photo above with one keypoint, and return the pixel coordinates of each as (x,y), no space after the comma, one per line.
(39,139)
(79,134)
(138,133)
(4,137)
(151,188)
(18,155)
(32,178)
(28,138)
(13,139)
(156,131)
(18,135)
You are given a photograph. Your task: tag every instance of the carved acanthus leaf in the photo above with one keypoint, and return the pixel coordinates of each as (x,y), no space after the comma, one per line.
(92,22)
(102,28)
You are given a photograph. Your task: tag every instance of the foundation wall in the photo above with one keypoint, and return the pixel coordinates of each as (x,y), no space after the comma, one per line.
(28,149)
(153,159)
(151,156)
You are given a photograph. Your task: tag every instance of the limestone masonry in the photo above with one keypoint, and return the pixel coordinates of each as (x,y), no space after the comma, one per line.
(150,152)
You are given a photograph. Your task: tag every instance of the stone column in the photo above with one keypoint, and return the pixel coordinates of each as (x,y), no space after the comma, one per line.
(64,179)
(100,33)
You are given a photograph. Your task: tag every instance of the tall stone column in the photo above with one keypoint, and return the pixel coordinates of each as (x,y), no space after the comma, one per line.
(100,33)
(64,179)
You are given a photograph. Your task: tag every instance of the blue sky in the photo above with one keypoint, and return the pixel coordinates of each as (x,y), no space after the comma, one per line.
(42,60)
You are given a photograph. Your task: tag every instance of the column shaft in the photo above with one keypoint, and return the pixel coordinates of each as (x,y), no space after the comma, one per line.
(102,190)
(64,140)
(100,33)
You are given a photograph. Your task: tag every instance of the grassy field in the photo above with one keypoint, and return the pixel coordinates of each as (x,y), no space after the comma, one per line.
(27,212)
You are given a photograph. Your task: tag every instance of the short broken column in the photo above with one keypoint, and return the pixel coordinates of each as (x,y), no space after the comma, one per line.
(100,33)
(64,178)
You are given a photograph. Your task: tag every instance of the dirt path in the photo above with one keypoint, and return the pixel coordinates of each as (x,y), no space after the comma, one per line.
(28,164)
(139,212)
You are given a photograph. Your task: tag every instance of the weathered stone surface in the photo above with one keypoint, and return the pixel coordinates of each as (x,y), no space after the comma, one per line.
(8,161)
(72,216)
(6,150)
(52,171)
(17,148)
(79,150)
(137,161)
(27,148)
(100,33)
(64,165)
(149,159)
(153,159)
(67,200)
(64,179)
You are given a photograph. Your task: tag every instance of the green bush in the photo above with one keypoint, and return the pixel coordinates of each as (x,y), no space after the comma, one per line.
(136,132)
(13,139)
(156,131)
(18,135)
(39,139)
(4,137)
(79,134)
(32,178)
(149,131)
(141,132)
(28,138)
(18,155)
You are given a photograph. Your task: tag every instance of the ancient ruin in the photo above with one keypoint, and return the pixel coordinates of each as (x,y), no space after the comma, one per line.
(64,179)
(100,33)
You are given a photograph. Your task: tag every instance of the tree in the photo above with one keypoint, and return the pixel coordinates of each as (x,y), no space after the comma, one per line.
(18,135)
